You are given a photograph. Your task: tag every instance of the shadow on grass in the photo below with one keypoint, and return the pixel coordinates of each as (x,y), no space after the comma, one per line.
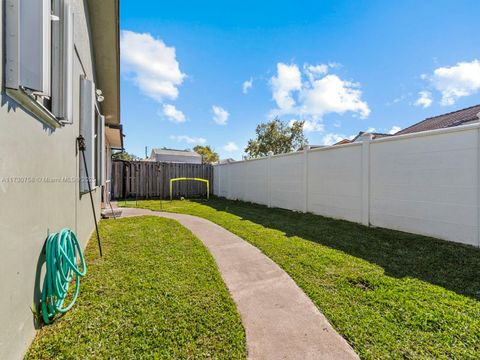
(453,266)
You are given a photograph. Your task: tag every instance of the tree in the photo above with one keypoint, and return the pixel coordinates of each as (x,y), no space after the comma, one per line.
(123,155)
(278,137)
(209,155)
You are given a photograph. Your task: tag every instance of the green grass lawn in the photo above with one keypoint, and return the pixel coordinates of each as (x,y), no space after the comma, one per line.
(156,293)
(390,294)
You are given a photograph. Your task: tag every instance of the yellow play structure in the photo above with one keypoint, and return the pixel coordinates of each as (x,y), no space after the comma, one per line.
(194,179)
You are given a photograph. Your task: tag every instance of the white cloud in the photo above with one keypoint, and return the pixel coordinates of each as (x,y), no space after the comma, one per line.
(319,95)
(220,115)
(424,99)
(394,129)
(331,94)
(399,99)
(314,71)
(454,82)
(288,79)
(247,85)
(313,125)
(310,125)
(331,138)
(173,114)
(188,139)
(370,130)
(152,65)
(230,147)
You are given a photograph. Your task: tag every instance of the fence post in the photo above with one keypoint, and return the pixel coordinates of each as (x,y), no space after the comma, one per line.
(268,186)
(217,182)
(366,182)
(220,180)
(478,186)
(229,174)
(306,149)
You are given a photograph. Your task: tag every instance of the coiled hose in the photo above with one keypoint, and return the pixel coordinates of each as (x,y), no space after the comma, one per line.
(61,259)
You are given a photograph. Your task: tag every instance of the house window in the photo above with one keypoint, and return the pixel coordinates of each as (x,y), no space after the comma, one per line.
(62,60)
(92,128)
(39,57)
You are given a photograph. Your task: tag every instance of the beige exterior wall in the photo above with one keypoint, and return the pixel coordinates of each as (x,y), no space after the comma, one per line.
(29,211)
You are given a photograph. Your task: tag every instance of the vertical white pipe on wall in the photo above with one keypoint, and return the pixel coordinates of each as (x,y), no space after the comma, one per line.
(229,184)
(478,187)
(222,179)
(305,178)
(366,182)
(268,187)
(246,180)
(217,184)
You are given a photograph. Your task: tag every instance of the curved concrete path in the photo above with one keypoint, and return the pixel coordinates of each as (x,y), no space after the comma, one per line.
(280,321)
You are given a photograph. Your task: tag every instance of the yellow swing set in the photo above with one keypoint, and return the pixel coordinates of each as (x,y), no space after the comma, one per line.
(194,179)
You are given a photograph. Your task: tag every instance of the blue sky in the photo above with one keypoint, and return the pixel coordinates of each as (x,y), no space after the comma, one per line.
(343,66)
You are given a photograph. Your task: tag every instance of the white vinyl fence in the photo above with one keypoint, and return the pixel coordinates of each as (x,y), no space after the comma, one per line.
(425,183)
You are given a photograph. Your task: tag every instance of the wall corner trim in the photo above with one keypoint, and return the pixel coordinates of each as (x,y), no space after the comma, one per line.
(366,182)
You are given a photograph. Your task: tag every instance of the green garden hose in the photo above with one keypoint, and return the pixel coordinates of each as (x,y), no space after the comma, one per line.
(61,259)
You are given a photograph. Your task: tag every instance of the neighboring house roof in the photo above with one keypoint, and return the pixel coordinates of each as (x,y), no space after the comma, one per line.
(373,135)
(344,141)
(455,118)
(311,147)
(175,156)
(225,161)
(187,153)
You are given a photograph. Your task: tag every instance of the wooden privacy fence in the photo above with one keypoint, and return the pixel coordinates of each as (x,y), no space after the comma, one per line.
(149,179)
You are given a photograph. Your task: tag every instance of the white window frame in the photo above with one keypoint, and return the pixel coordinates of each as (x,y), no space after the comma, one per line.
(28,58)
(87,130)
(34,66)
(101,166)
(62,60)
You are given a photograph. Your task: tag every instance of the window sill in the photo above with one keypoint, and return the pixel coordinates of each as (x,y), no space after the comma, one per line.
(30,104)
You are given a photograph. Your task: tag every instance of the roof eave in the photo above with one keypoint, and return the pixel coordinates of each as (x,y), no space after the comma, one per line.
(114,135)
(105,32)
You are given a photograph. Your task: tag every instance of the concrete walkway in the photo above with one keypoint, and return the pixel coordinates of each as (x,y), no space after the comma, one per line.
(280,321)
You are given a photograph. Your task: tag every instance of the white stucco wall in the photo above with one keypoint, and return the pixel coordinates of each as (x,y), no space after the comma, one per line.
(256,182)
(334,182)
(29,211)
(220,181)
(425,183)
(286,181)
